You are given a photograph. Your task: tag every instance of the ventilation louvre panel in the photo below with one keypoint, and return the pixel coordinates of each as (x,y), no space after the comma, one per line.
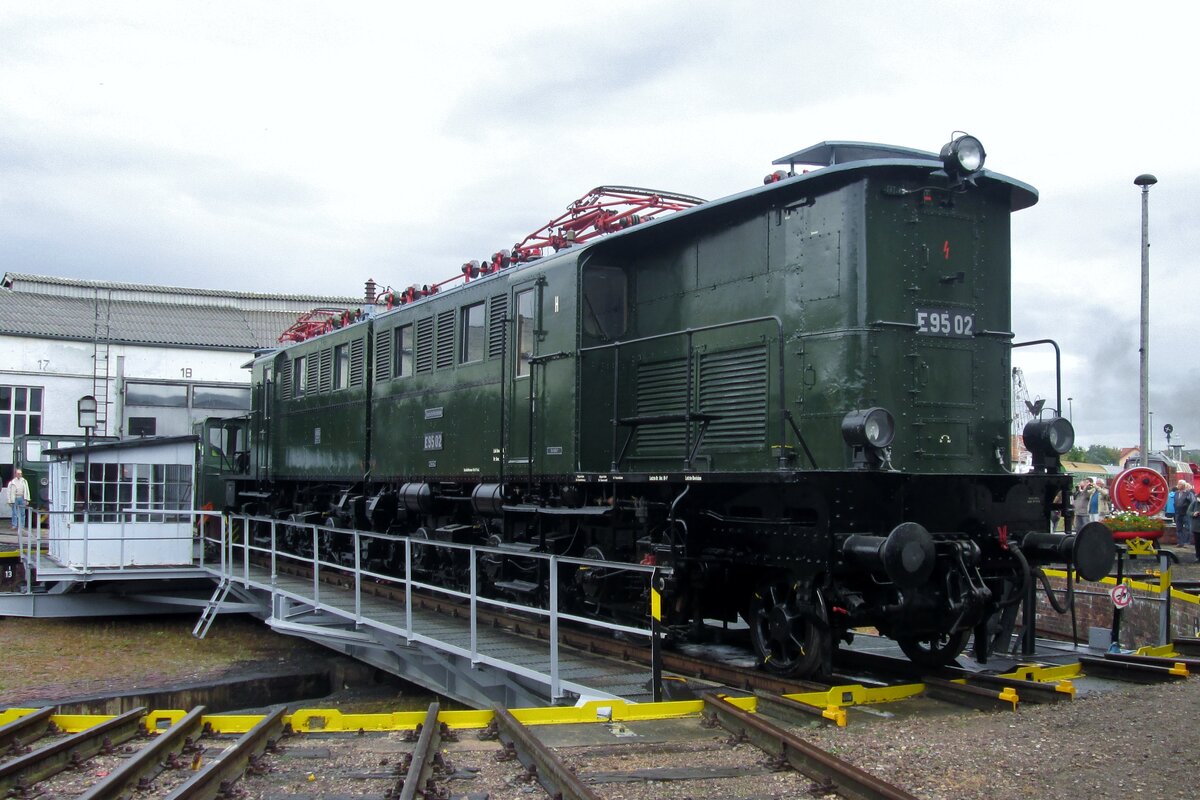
(497,312)
(425,345)
(445,339)
(358,359)
(383,355)
(733,386)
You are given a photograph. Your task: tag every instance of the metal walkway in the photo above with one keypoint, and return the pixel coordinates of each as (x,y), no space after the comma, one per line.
(455,657)
(339,607)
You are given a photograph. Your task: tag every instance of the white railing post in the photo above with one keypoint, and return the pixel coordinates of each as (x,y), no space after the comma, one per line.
(245,558)
(274,549)
(408,615)
(358,618)
(316,564)
(474,610)
(555,688)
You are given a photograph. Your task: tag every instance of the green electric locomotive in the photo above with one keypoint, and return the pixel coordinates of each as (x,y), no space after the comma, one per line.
(798,398)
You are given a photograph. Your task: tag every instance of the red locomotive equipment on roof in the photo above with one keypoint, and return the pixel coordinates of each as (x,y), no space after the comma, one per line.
(603,210)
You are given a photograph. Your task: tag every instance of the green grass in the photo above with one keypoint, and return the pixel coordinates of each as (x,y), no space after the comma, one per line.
(60,657)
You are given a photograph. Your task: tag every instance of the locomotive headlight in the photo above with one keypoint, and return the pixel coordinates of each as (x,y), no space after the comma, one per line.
(869,427)
(963,155)
(1045,437)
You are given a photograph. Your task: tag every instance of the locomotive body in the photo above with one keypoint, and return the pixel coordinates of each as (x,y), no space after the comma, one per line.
(797,398)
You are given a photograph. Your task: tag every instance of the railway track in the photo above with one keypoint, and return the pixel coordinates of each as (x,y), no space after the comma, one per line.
(117,759)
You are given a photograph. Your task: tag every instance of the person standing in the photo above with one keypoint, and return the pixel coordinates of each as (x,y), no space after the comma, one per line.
(1098,504)
(1193,513)
(1080,503)
(18,497)
(1184,495)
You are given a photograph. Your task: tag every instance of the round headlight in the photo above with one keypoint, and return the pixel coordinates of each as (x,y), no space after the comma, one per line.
(964,154)
(874,427)
(1049,436)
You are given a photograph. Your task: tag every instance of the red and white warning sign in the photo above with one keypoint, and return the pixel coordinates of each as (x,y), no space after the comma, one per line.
(1121,596)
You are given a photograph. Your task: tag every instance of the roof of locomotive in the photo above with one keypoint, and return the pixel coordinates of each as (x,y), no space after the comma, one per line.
(831,153)
(840,158)
(843,159)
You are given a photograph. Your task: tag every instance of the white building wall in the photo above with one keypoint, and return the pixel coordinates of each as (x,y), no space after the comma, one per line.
(64,371)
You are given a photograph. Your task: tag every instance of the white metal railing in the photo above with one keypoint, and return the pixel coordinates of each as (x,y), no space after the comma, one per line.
(310,545)
(68,540)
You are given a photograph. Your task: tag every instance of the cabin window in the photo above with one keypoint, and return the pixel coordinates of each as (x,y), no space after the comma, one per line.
(605,303)
(341,366)
(403,351)
(299,377)
(525,323)
(472,334)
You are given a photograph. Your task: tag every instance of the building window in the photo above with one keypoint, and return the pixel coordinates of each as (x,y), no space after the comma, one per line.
(524,331)
(165,395)
(143,426)
(403,351)
(472,334)
(234,398)
(341,366)
(299,377)
(20,410)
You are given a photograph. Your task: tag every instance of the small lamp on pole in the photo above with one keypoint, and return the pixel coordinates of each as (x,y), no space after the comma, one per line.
(87,421)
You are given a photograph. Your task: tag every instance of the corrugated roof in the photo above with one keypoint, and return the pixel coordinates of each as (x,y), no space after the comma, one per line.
(128,322)
(13,280)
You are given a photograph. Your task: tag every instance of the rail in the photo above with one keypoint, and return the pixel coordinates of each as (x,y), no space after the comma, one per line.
(830,772)
(144,765)
(215,779)
(420,770)
(538,760)
(326,552)
(20,774)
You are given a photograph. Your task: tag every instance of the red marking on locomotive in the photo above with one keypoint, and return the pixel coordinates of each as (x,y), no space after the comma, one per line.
(946,249)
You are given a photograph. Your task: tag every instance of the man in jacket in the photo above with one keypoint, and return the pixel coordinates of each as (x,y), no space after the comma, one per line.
(1081,502)
(18,497)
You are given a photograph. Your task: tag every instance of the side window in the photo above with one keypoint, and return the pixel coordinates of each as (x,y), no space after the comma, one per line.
(341,366)
(605,303)
(299,377)
(403,351)
(472,334)
(525,323)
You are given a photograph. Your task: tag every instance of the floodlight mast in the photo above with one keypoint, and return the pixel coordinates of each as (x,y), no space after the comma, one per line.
(1145,181)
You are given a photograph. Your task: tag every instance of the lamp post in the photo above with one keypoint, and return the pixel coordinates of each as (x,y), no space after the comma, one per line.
(87,421)
(1145,181)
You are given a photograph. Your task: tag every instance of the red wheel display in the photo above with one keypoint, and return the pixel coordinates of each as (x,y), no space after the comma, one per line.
(1140,490)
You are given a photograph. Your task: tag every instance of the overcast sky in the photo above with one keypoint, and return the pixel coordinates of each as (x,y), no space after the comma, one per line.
(305,147)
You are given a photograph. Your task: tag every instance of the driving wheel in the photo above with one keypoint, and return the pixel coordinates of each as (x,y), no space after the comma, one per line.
(789,630)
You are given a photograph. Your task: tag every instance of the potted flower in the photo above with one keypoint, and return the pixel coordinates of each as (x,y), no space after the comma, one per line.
(1130,525)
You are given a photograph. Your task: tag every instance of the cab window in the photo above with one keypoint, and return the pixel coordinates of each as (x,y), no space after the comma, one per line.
(605,303)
